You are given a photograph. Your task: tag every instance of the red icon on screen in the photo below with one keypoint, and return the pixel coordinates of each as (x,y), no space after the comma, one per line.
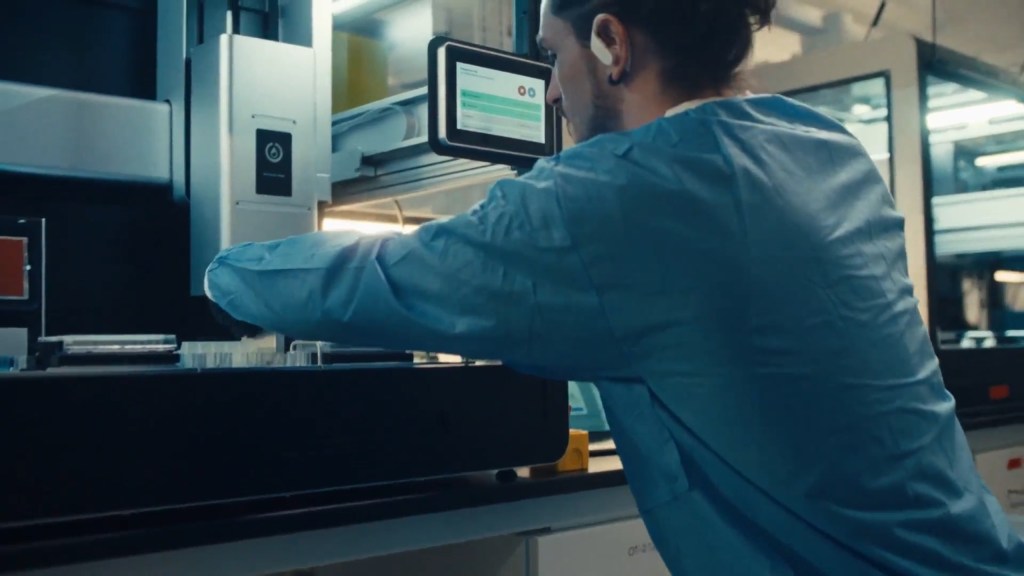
(522,90)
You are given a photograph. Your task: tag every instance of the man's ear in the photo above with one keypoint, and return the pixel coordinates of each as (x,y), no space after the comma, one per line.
(609,41)
(600,48)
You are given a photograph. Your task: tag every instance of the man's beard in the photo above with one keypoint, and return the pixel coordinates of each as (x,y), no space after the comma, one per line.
(604,117)
(605,111)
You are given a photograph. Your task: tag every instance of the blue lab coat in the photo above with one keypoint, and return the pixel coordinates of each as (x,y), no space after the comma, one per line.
(734,279)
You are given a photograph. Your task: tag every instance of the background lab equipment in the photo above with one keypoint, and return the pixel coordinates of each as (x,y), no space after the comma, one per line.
(99,173)
(958,188)
(959,191)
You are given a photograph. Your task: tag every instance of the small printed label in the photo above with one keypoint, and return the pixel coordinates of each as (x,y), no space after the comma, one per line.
(641,549)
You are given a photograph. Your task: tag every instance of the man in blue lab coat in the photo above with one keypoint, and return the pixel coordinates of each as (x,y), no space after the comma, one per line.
(729,269)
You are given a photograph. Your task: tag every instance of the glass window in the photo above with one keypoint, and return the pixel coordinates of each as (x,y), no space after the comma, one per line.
(976,150)
(862,106)
(380,46)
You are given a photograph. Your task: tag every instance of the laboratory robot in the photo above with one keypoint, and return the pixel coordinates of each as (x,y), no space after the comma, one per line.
(259,131)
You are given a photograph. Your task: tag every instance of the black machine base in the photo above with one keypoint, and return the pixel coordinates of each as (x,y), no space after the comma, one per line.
(87,444)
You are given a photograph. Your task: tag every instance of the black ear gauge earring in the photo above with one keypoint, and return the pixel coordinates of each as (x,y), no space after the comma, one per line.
(615,81)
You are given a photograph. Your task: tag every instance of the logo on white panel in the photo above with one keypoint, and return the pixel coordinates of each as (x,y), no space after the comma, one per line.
(274,152)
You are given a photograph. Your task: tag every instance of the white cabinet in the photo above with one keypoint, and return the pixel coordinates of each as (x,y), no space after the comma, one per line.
(606,550)
(1003,473)
(611,549)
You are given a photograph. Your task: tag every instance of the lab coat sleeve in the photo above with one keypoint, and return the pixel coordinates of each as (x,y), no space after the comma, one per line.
(503,281)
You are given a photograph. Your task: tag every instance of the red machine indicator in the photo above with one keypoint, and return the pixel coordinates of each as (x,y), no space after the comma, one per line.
(1001,392)
(13,268)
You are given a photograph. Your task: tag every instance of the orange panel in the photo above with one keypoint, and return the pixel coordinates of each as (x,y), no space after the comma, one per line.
(12,268)
(1001,392)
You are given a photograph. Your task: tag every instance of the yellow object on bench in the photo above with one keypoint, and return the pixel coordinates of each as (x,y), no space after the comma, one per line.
(575,459)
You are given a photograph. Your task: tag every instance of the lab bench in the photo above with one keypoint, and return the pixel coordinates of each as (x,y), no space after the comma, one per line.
(298,532)
(479,524)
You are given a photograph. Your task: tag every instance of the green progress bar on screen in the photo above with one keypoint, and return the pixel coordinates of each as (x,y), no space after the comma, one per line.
(501,106)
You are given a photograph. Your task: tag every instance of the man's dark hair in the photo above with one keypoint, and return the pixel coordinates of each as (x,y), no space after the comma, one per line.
(701,43)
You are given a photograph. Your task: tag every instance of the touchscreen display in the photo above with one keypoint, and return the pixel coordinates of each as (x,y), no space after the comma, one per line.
(500,103)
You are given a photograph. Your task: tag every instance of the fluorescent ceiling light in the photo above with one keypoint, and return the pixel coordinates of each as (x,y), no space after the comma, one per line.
(957,99)
(999,160)
(363,226)
(861,109)
(974,114)
(340,6)
(1009,277)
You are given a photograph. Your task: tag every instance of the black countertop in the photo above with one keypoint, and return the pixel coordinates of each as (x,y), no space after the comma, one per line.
(73,541)
(70,541)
